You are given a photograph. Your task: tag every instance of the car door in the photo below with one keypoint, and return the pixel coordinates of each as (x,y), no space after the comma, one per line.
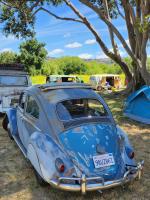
(30,118)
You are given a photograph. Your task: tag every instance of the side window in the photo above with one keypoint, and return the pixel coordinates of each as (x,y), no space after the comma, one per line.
(22,100)
(32,107)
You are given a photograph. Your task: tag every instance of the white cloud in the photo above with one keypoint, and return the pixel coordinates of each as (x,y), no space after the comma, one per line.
(101,55)
(85,56)
(6,49)
(74,45)
(55,52)
(90,41)
(67,35)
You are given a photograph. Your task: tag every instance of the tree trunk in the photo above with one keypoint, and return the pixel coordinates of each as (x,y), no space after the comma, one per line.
(138,81)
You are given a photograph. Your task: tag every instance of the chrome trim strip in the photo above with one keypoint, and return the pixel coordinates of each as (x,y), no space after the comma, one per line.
(20,147)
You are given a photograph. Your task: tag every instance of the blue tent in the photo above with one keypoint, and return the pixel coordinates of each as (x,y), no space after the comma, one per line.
(137,105)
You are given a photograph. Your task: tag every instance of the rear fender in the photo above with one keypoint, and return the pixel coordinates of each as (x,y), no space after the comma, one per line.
(12,119)
(125,145)
(42,152)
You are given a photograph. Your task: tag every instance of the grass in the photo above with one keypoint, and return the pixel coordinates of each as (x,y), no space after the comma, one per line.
(17,180)
(40,79)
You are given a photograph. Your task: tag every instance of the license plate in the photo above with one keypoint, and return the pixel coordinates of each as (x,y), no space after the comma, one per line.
(104,160)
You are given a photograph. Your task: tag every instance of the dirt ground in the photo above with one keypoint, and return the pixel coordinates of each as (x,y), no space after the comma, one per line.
(17,180)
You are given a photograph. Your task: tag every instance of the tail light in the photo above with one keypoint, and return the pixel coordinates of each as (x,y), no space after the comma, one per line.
(130,152)
(59,164)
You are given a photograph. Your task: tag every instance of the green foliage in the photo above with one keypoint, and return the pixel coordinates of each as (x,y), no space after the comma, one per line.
(51,67)
(72,65)
(32,55)
(148,64)
(17,21)
(95,67)
(18,16)
(75,65)
(64,65)
(8,57)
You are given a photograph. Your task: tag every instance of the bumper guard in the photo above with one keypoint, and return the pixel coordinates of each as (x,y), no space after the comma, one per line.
(81,184)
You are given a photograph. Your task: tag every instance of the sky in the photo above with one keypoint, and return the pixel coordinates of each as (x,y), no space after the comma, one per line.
(65,38)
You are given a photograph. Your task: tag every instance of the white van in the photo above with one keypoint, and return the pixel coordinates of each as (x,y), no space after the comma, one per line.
(13,80)
(100,81)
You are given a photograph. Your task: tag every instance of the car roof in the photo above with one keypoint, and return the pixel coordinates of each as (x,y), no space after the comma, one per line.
(65,85)
(69,76)
(59,91)
(51,94)
(12,72)
(105,75)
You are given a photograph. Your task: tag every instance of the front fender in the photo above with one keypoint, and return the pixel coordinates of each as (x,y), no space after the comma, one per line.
(12,119)
(42,152)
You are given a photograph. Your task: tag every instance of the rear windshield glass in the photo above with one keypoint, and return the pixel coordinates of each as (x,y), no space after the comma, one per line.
(62,79)
(80,108)
(13,80)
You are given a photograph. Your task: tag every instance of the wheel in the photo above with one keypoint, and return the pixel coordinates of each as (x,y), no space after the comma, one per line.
(9,134)
(2,114)
(5,123)
(39,179)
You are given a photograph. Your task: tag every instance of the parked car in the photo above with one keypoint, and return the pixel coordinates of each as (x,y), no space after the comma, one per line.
(105,81)
(68,134)
(13,80)
(63,78)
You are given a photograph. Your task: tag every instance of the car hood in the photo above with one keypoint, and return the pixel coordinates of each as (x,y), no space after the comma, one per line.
(84,142)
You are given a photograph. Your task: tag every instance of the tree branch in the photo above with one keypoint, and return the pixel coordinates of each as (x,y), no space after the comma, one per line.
(114,57)
(109,24)
(116,3)
(56,16)
(35,5)
(8,5)
(114,45)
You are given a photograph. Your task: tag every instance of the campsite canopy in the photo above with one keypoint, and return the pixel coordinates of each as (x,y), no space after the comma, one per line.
(137,105)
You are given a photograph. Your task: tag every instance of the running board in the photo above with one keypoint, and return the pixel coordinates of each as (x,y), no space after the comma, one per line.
(21,146)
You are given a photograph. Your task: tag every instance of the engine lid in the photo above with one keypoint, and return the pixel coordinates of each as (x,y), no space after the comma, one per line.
(89,142)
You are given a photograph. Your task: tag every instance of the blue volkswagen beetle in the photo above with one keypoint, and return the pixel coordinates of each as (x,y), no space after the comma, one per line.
(68,134)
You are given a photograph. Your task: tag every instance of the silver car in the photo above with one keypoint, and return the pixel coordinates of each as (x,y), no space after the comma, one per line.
(68,134)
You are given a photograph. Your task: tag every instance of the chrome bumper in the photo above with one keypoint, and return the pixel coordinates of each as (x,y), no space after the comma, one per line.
(84,186)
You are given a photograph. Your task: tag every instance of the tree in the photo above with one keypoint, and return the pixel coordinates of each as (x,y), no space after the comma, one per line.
(75,65)
(19,19)
(72,65)
(32,55)
(51,67)
(8,57)
(65,65)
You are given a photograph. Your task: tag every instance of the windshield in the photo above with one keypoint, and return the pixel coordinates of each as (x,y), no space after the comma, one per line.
(13,80)
(63,79)
(80,108)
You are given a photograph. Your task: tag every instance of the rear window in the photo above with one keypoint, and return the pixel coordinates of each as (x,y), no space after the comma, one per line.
(80,108)
(13,80)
